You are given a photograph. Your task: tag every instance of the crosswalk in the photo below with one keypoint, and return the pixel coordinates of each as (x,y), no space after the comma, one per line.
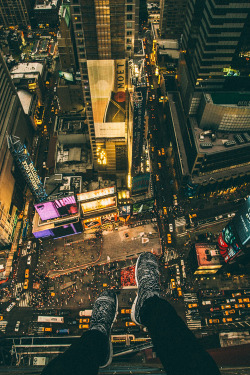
(23,297)
(193,318)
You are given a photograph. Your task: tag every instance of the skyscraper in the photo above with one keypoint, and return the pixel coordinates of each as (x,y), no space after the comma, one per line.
(105,30)
(212,37)
(12,122)
(14,13)
(172,18)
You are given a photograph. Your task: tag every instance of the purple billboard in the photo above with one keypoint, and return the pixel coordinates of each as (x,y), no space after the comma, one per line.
(58,208)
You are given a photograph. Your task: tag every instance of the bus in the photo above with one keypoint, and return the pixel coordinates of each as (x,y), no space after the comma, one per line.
(50,319)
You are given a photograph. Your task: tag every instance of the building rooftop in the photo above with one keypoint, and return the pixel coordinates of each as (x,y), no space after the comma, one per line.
(208,256)
(45,4)
(26,68)
(229,98)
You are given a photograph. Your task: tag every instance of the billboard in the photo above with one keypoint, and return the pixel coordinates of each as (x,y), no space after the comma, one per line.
(95,194)
(229,237)
(92,223)
(144,206)
(57,208)
(241,222)
(67,76)
(140,183)
(107,81)
(124,210)
(107,219)
(98,204)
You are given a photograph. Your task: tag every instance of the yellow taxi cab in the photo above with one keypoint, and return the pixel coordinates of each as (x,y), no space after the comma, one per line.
(192,305)
(179,291)
(223,307)
(159,165)
(26,284)
(27,273)
(173,284)
(229,312)
(104,285)
(84,320)
(163,151)
(227,320)
(165,210)
(83,326)
(214,321)
(152,149)
(237,294)
(157,177)
(169,238)
(241,300)
(56,111)
(125,311)
(159,152)
(239,306)
(130,324)
(47,329)
(1,317)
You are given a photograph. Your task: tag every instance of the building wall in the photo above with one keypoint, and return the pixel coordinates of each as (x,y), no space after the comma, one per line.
(172,18)
(14,13)
(12,121)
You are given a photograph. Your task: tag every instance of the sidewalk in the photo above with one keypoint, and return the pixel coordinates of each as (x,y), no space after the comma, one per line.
(13,249)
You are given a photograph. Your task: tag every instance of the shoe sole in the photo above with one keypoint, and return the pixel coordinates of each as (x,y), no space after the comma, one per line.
(110,343)
(135,301)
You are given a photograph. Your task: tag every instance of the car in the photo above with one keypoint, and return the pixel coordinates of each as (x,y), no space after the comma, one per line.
(229,312)
(173,284)
(125,311)
(218,217)
(165,210)
(246,300)
(159,165)
(192,305)
(239,306)
(83,326)
(29,245)
(162,151)
(29,260)
(214,309)
(27,273)
(26,284)
(17,326)
(227,320)
(214,321)
(152,148)
(11,306)
(48,329)
(1,317)
(171,228)
(157,177)
(130,324)
(159,152)
(84,320)
(169,238)
(236,294)
(152,87)
(179,291)
(223,307)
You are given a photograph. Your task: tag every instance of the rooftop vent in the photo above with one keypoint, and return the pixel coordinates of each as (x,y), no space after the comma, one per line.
(229,143)
(206,145)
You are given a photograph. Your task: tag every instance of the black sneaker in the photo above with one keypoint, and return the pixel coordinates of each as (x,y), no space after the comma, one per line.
(147,279)
(103,316)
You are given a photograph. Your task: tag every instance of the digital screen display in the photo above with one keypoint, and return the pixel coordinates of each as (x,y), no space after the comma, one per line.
(95,194)
(229,238)
(92,223)
(124,210)
(58,208)
(143,206)
(241,222)
(98,204)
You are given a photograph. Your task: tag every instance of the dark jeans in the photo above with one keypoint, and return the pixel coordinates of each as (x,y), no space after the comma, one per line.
(176,346)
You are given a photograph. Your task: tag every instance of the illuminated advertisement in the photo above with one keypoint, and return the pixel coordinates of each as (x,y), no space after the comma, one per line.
(107,81)
(98,204)
(92,223)
(95,194)
(107,219)
(124,210)
(241,222)
(144,206)
(57,208)
(60,231)
(234,246)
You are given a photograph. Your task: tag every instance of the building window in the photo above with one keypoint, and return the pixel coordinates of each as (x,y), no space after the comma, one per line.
(75,1)
(78,26)
(129,33)
(129,25)
(129,16)
(129,8)
(128,48)
(76,9)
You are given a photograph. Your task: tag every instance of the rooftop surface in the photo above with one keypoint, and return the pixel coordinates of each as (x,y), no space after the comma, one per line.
(231,98)
(23,68)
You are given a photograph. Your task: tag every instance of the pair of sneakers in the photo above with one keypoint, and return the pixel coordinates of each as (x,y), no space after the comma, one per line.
(105,309)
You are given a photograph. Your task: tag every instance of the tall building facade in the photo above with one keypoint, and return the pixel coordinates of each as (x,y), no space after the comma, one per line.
(12,122)
(212,37)
(105,31)
(14,13)
(172,18)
